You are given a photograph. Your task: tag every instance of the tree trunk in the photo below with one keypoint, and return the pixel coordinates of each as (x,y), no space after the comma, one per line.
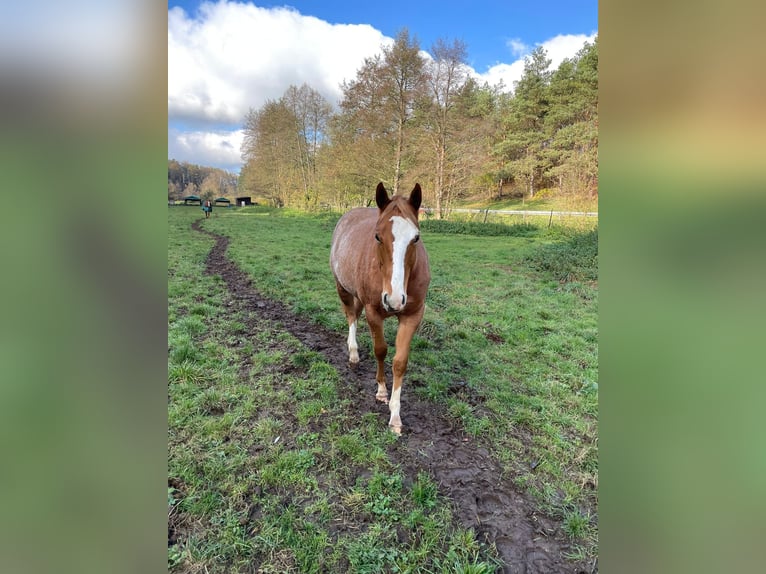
(440,181)
(398,159)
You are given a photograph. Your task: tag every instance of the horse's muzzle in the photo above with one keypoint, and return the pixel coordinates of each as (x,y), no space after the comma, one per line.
(389,305)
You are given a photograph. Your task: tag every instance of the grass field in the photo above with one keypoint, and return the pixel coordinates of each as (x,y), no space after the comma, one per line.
(269,465)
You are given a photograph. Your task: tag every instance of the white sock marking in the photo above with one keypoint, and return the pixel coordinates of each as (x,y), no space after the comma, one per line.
(393,405)
(353,349)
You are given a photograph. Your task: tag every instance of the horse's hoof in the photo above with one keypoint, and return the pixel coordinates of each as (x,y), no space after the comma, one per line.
(397,430)
(382,398)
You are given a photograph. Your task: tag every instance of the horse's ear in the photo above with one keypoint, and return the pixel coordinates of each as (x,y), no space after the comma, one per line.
(381,196)
(416,197)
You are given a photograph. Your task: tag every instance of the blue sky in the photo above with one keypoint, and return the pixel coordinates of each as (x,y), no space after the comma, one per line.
(227,57)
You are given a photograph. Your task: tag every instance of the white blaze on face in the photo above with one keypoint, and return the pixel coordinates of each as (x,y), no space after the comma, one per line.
(404,231)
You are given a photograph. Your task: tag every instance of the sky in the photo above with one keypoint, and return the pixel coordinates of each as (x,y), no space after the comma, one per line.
(226,57)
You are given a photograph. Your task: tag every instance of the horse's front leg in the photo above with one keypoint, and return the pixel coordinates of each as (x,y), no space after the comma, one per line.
(375,321)
(407,326)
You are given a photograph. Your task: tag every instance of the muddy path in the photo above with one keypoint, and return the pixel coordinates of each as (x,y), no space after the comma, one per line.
(527,541)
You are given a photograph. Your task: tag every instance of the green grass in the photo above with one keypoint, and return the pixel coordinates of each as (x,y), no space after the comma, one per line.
(508,343)
(269,472)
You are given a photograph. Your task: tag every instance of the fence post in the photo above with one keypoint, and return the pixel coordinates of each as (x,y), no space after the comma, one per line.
(549,219)
(486,212)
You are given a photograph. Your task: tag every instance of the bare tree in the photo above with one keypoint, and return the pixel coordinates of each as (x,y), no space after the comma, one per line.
(403,67)
(268,149)
(446,76)
(311,113)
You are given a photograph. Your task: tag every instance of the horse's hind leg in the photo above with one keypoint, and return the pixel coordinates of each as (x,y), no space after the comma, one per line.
(352,307)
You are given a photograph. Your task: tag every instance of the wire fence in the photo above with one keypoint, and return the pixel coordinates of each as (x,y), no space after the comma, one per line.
(511,216)
(552,212)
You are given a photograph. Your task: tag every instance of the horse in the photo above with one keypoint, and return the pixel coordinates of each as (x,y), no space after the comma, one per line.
(380,265)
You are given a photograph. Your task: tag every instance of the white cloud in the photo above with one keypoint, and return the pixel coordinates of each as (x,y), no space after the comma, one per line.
(505,73)
(518,48)
(564,46)
(219,149)
(235,56)
(557,48)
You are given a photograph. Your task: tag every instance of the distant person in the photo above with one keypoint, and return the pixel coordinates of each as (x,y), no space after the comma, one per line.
(207,207)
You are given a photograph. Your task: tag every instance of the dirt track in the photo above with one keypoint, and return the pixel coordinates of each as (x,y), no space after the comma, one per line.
(527,541)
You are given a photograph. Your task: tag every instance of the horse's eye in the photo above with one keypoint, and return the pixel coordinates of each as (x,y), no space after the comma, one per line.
(377,238)
(417,238)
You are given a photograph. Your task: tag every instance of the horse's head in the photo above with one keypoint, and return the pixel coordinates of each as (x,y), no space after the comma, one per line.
(396,232)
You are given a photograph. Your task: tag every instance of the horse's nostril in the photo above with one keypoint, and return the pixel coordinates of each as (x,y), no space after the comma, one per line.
(404,299)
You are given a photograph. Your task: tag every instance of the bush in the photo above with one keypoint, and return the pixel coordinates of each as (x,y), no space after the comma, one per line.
(573,260)
(477,228)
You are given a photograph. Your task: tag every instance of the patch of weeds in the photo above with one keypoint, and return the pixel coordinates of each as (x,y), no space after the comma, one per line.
(477,426)
(321,371)
(576,525)
(434,390)
(202,310)
(479,228)
(424,491)
(201,503)
(192,325)
(183,349)
(186,372)
(353,500)
(290,469)
(431,329)
(474,425)
(248,348)
(175,556)
(308,440)
(233,536)
(374,552)
(309,410)
(267,428)
(304,359)
(352,446)
(217,401)
(463,556)
(383,490)
(263,360)
(573,260)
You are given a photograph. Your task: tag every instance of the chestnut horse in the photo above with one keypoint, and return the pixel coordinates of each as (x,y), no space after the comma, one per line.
(381,266)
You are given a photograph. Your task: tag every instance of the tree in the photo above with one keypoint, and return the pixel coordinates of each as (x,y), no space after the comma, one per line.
(445,77)
(280,147)
(522,143)
(191,189)
(376,114)
(211,186)
(311,113)
(403,66)
(269,148)
(190,179)
(362,136)
(572,123)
